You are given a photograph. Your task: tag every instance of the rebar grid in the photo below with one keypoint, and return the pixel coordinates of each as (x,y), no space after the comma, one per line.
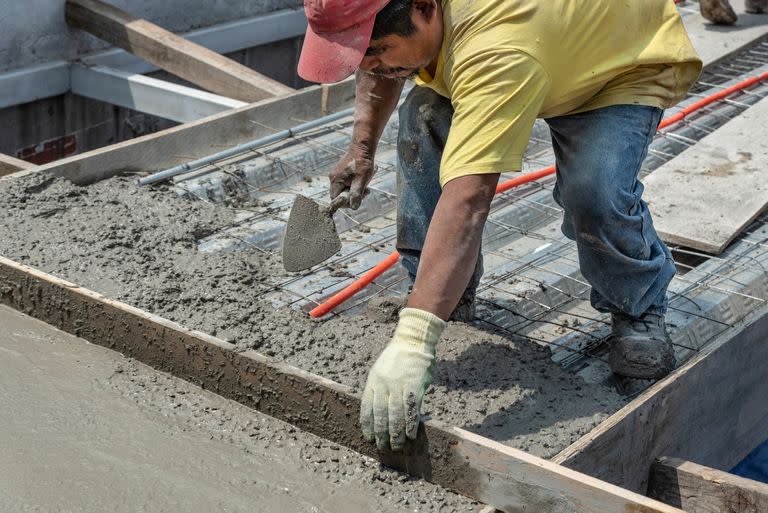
(533,288)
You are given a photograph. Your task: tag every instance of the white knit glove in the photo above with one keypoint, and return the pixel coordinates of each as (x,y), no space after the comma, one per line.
(391,402)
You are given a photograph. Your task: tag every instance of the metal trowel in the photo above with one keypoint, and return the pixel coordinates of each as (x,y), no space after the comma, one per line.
(311,237)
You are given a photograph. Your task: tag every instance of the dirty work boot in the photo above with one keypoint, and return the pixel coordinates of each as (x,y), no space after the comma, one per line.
(719,12)
(641,347)
(757,6)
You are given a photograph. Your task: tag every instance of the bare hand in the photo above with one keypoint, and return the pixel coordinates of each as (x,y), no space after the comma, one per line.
(353,172)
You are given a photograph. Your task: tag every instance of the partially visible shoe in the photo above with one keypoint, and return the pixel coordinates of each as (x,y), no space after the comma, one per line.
(757,6)
(719,12)
(385,309)
(466,309)
(641,347)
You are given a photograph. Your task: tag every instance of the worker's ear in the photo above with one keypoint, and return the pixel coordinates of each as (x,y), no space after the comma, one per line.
(425,10)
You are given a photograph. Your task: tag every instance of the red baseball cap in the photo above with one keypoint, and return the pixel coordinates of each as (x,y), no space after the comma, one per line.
(337,37)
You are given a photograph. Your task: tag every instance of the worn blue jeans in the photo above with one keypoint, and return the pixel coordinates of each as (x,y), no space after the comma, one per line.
(598,156)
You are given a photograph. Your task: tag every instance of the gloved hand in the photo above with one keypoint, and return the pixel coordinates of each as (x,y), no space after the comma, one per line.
(391,402)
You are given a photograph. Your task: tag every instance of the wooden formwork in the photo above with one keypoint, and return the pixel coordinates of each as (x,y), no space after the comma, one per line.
(712,410)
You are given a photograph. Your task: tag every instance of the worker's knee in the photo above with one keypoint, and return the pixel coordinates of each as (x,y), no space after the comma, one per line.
(594,203)
(425,120)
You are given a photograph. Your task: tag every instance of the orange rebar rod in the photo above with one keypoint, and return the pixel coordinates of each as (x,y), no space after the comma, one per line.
(366,279)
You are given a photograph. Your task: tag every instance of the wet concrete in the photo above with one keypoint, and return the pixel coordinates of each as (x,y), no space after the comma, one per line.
(86,429)
(139,246)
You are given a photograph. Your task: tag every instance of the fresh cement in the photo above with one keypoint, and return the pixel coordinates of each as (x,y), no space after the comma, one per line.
(138,245)
(85,429)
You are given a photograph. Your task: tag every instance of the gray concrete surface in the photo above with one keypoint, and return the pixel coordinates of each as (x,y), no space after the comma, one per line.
(85,429)
(139,245)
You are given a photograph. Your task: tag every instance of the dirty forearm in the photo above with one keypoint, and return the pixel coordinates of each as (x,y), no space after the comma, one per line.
(453,243)
(376,99)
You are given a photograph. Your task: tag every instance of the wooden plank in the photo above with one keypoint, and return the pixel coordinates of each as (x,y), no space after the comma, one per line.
(223,38)
(500,476)
(699,489)
(173,53)
(711,410)
(10,165)
(704,197)
(199,138)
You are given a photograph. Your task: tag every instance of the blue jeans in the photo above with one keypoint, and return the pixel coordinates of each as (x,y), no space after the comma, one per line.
(598,156)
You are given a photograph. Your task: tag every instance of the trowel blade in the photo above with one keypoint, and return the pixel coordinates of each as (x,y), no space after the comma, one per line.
(310,237)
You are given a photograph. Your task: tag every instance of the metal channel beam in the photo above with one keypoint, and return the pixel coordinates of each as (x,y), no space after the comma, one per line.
(33,83)
(149,95)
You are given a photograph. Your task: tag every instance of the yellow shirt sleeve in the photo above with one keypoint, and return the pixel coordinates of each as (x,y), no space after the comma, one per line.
(496,94)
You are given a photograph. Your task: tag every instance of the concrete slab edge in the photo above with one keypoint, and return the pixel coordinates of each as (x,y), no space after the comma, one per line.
(492,473)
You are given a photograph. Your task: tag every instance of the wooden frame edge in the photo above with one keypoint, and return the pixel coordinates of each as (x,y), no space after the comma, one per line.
(506,478)
(711,410)
(699,489)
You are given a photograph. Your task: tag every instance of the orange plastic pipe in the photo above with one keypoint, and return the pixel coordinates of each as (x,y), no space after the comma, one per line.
(366,279)
(356,286)
(711,99)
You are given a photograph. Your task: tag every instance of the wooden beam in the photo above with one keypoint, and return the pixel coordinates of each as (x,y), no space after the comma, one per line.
(223,38)
(150,95)
(492,473)
(199,138)
(699,489)
(10,165)
(33,83)
(711,410)
(173,53)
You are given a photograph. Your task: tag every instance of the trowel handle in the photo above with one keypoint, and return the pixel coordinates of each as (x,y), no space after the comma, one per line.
(340,201)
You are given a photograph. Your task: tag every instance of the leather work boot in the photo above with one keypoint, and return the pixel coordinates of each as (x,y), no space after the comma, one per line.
(757,6)
(719,12)
(641,347)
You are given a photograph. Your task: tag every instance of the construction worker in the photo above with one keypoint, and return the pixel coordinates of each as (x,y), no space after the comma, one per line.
(599,73)
(720,12)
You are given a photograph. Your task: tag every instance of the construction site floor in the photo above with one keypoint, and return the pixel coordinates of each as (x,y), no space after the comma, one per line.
(85,429)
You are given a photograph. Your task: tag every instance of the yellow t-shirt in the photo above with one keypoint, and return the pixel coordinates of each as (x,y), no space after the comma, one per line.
(504,63)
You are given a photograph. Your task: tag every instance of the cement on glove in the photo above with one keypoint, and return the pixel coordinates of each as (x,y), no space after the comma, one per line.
(139,246)
(85,429)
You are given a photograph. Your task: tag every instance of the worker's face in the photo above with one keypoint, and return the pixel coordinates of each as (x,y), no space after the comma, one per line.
(400,57)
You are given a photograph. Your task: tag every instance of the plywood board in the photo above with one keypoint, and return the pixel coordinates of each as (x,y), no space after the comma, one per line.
(699,489)
(173,53)
(503,477)
(707,195)
(712,410)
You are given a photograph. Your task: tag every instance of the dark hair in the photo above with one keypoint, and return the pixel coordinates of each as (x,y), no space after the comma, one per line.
(394,19)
